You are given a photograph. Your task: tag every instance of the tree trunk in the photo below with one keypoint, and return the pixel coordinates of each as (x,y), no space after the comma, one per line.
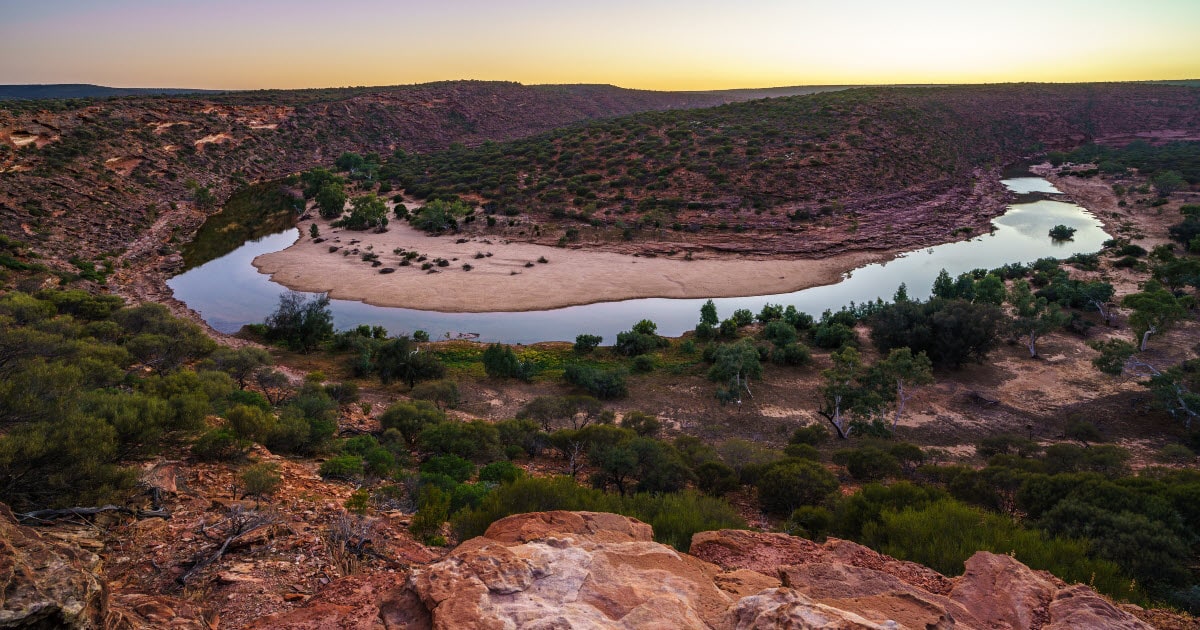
(1146,338)
(1032,345)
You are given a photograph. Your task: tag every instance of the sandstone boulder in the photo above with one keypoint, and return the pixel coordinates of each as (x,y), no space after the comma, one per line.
(570,570)
(1007,594)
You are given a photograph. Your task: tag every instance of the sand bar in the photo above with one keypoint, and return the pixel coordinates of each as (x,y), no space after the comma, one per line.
(503,282)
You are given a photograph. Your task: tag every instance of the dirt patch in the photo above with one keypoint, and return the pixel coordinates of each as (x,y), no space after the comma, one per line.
(216,138)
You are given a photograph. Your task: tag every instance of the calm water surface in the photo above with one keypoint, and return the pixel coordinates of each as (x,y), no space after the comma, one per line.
(229,292)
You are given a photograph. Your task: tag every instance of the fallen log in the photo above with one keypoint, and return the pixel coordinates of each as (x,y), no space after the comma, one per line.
(52,515)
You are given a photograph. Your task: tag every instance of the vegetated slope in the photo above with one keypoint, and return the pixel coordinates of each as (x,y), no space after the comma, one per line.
(872,167)
(86,178)
(83,90)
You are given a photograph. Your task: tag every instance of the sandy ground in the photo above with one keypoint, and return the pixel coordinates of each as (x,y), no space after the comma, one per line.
(503,282)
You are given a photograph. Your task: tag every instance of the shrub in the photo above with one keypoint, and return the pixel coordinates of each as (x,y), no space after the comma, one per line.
(812,434)
(716,478)
(499,361)
(433,508)
(919,534)
(260,480)
(812,522)
(643,424)
(1062,233)
(743,317)
(251,423)
(500,472)
(794,483)
(587,343)
(643,364)
(603,384)
(1175,454)
(476,440)
(443,393)
(220,445)
(452,466)
(802,451)
(868,463)
(342,467)
(410,418)
(834,335)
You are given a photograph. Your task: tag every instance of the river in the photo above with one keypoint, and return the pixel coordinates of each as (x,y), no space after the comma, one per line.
(229,292)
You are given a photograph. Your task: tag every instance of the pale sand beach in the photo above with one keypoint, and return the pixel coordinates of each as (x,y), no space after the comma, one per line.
(503,282)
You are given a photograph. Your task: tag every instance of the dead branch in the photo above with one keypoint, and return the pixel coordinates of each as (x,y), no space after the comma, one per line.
(53,515)
(241,522)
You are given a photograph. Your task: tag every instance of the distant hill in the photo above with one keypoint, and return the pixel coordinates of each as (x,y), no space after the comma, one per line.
(84,90)
(1183,82)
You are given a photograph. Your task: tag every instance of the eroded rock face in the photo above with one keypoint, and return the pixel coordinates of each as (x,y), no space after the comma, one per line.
(570,570)
(46,584)
(567,570)
(996,591)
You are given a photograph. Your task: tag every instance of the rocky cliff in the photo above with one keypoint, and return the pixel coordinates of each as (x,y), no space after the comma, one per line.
(592,570)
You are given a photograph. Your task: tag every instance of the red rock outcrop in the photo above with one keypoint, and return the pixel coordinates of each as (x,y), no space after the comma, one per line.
(996,591)
(592,570)
(49,582)
(45,583)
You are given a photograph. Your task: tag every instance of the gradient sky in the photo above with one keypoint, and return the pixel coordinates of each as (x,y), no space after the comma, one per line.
(654,44)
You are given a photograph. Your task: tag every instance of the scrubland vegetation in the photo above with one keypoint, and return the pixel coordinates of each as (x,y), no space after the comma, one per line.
(91,388)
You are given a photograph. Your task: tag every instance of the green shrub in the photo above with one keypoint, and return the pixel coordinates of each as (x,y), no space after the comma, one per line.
(587,343)
(603,384)
(868,463)
(500,472)
(433,508)
(643,364)
(260,480)
(643,424)
(476,440)
(452,466)
(919,535)
(499,361)
(812,522)
(410,418)
(812,434)
(790,484)
(342,467)
(251,423)
(220,445)
(802,451)
(716,478)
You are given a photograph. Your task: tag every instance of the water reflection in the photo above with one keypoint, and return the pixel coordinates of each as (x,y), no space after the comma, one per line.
(229,292)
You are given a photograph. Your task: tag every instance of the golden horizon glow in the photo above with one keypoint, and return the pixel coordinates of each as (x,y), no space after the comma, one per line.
(651,44)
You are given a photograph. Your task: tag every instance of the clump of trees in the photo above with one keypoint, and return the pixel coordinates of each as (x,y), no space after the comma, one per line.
(300,322)
(439,216)
(367,211)
(87,384)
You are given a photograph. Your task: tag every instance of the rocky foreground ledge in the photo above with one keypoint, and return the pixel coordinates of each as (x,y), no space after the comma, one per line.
(593,570)
(589,570)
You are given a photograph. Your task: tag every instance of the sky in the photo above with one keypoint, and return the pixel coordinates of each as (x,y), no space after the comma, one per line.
(649,44)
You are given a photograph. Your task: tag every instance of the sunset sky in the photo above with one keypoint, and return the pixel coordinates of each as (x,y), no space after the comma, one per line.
(654,44)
